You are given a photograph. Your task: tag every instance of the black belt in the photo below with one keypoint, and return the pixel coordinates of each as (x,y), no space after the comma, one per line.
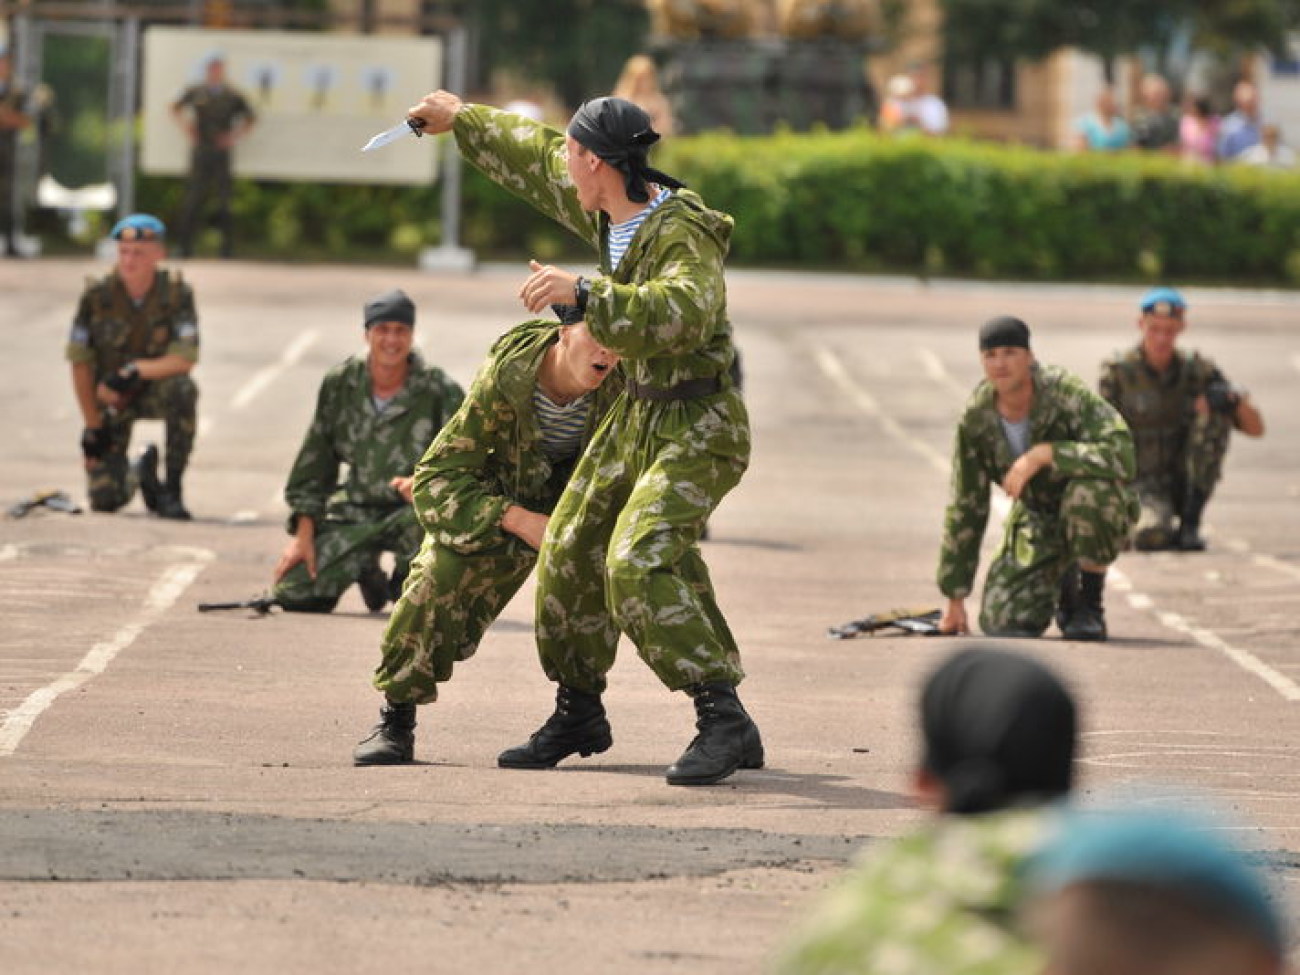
(686,389)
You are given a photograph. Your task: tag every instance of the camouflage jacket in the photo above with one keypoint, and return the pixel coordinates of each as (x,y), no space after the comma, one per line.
(1088,437)
(215,111)
(664,309)
(377,447)
(1158,407)
(110,330)
(489,455)
(942,900)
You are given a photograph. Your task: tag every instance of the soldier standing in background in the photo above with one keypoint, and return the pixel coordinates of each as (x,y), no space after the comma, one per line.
(1182,411)
(376,413)
(214,116)
(1065,456)
(134,340)
(14,118)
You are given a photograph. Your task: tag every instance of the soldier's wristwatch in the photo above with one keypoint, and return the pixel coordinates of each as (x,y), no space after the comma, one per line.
(581,292)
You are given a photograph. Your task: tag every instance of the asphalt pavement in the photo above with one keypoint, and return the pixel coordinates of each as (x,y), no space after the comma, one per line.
(176,791)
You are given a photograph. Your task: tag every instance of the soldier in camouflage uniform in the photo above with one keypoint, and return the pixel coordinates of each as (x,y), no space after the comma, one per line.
(1181,410)
(375,413)
(484,492)
(1000,736)
(14,118)
(214,117)
(1066,458)
(622,552)
(134,340)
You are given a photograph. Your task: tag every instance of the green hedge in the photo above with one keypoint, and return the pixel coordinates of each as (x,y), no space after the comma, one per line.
(855,201)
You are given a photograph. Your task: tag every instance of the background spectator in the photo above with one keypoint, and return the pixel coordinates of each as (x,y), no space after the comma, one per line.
(1155,123)
(639,84)
(898,95)
(1103,129)
(1270,151)
(1198,131)
(928,110)
(1240,129)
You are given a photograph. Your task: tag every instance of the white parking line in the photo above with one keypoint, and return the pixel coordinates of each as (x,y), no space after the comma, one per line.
(269,374)
(834,369)
(173,581)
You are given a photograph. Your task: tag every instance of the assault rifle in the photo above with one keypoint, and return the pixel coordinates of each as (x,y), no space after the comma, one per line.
(261,605)
(923,621)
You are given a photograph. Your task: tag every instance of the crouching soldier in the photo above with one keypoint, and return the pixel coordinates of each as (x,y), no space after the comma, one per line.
(1065,456)
(134,340)
(376,413)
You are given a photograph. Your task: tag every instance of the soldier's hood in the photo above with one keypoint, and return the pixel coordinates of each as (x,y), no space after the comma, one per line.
(687,205)
(517,355)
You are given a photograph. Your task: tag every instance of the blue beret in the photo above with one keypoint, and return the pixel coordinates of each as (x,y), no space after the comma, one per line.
(139,226)
(1165,851)
(1163,301)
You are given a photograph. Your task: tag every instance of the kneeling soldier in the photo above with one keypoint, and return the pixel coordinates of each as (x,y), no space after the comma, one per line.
(1065,456)
(1181,410)
(376,413)
(134,341)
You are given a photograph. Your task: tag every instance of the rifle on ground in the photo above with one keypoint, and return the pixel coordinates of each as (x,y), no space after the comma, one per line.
(54,500)
(923,621)
(262,605)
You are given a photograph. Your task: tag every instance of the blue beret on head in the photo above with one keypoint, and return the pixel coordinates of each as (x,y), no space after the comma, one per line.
(1163,301)
(1165,851)
(139,226)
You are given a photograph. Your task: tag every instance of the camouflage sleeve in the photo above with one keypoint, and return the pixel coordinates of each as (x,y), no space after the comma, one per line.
(315,473)
(185,327)
(243,108)
(1102,445)
(80,348)
(526,158)
(966,517)
(1108,384)
(456,500)
(184,98)
(674,311)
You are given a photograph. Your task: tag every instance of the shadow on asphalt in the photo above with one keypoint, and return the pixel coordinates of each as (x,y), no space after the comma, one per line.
(828,790)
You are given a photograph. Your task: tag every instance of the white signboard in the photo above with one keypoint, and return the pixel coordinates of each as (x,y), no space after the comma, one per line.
(318,99)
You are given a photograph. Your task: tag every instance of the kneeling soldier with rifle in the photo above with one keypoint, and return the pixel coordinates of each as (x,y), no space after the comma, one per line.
(134,340)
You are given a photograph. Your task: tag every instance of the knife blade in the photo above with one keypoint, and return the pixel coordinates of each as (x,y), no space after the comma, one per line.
(410,126)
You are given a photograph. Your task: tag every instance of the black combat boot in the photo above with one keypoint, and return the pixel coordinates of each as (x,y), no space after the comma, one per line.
(728,739)
(373,583)
(1068,601)
(577,725)
(1189,525)
(1088,622)
(146,472)
(393,740)
(170,504)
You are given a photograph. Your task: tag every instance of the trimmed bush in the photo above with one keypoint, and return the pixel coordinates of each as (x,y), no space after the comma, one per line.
(852,201)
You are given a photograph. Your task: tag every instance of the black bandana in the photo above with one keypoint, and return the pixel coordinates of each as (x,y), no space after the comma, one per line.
(391,306)
(619,132)
(568,314)
(1003,332)
(999,728)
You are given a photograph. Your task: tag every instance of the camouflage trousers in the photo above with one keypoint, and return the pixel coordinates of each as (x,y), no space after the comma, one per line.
(343,551)
(621,553)
(1023,581)
(111,481)
(210,175)
(1199,469)
(449,601)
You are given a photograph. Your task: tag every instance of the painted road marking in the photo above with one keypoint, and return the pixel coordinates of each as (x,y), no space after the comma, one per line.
(173,581)
(268,374)
(834,369)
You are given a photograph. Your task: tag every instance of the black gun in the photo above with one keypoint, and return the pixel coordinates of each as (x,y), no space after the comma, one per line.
(923,621)
(261,605)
